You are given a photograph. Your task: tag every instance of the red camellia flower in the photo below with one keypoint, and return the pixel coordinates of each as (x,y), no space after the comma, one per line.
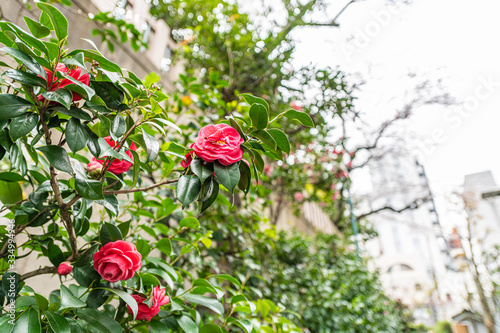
(218,142)
(187,162)
(54,83)
(117,166)
(158,299)
(64,268)
(117,261)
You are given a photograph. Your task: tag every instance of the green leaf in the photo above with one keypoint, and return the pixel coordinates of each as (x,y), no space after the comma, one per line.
(104,63)
(136,168)
(62,96)
(281,139)
(169,124)
(188,188)
(26,78)
(109,233)
(265,137)
(201,169)
(99,321)
(189,222)
(22,125)
(73,112)
(59,22)
(245,177)
(58,323)
(208,302)
(229,278)
(89,188)
(210,328)
(86,275)
(143,247)
(13,106)
(92,142)
(106,150)
(11,177)
(187,324)
(68,300)
(118,126)
(110,94)
(152,146)
(29,322)
(55,254)
(131,302)
(150,79)
(10,192)
(302,117)
(26,60)
(82,89)
(243,323)
(258,115)
(254,100)
(36,29)
(210,195)
(229,175)
(111,203)
(58,157)
(165,246)
(5,325)
(42,302)
(150,280)
(75,135)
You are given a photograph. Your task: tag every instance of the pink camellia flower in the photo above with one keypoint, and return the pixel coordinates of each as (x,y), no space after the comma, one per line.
(158,298)
(294,105)
(54,83)
(117,166)
(187,162)
(64,268)
(218,142)
(117,261)
(94,169)
(298,196)
(267,170)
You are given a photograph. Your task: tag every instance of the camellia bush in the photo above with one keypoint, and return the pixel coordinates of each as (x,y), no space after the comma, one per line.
(99,179)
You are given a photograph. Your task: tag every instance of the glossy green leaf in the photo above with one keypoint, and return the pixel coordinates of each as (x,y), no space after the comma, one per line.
(55,254)
(136,169)
(73,112)
(38,30)
(13,106)
(208,302)
(245,177)
(99,321)
(25,78)
(68,300)
(201,169)
(89,188)
(281,139)
(92,142)
(110,94)
(210,328)
(76,136)
(210,195)
(118,126)
(188,188)
(301,117)
(26,60)
(189,222)
(131,302)
(228,175)
(28,322)
(254,100)
(83,90)
(152,146)
(58,323)
(58,157)
(259,116)
(59,22)
(265,137)
(62,96)
(165,246)
(187,324)
(243,323)
(109,233)
(22,125)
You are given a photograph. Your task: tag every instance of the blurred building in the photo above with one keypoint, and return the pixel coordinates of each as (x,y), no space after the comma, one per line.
(411,251)
(156,58)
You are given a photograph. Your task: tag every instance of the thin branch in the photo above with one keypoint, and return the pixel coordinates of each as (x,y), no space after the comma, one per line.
(412,205)
(40,271)
(140,189)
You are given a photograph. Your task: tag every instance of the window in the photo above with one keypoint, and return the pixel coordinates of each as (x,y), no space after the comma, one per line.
(146,28)
(120,9)
(166,60)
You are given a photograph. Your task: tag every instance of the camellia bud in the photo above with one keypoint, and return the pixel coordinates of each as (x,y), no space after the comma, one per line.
(186,101)
(64,268)
(94,169)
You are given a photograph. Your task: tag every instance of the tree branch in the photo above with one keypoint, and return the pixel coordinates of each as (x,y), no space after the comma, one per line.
(412,205)
(40,271)
(140,189)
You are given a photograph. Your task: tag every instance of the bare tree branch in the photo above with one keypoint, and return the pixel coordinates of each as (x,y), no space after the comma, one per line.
(412,205)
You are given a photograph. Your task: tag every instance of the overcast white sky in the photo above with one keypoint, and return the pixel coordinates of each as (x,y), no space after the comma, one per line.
(456,40)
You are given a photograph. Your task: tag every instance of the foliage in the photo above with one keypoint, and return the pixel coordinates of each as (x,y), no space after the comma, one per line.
(443,327)
(53,117)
